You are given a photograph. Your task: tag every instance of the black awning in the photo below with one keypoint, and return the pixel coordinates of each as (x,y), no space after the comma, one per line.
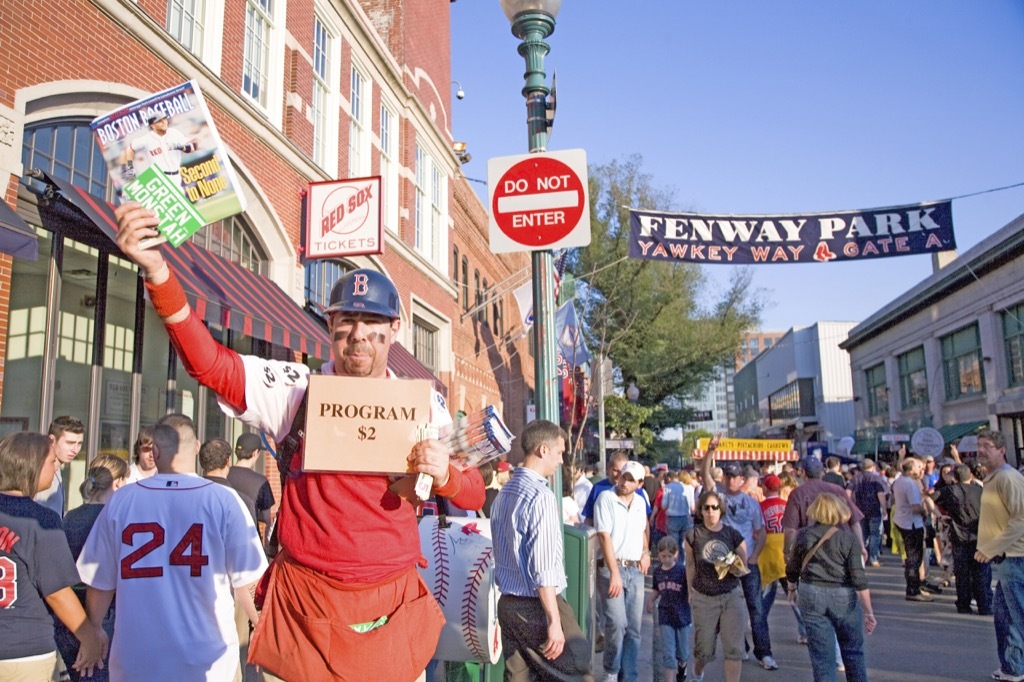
(16,237)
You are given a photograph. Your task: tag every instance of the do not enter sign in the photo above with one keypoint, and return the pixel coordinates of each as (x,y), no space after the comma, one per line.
(539,201)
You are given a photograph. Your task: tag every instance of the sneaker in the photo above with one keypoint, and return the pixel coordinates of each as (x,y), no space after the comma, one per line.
(998,674)
(875,564)
(610,677)
(768,663)
(696,678)
(920,596)
(801,639)
(746,656)
(839,666)
(931,589)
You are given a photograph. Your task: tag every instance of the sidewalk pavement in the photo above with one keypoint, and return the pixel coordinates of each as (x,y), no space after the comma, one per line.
(913,642)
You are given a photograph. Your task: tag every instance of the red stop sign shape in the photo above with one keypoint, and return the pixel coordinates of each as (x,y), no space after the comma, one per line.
(538,201)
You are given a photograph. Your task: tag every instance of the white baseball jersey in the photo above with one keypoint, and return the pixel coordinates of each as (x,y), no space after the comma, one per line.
(173,546)
(163,150)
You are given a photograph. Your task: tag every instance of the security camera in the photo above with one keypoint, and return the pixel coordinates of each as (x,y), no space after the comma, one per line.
(460,94)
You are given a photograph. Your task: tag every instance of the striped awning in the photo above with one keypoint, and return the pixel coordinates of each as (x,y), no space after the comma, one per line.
(221,292)
(16,237)
(749,455)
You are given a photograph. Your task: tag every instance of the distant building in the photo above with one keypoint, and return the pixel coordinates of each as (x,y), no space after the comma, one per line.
(948,353)
(799,389)
(754,343)
(713,409)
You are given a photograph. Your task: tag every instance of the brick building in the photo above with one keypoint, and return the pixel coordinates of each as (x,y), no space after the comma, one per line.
(301,91)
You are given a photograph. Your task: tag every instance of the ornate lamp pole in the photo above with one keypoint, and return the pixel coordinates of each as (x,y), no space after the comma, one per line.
(532,22)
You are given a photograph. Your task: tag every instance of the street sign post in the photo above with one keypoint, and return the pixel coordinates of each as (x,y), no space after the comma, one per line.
(538,201)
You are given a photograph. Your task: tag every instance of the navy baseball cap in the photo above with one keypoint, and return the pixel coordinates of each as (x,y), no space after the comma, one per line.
(811,465)
(732,469)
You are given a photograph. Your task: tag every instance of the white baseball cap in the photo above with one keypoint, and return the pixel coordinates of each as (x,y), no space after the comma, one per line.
(634,469)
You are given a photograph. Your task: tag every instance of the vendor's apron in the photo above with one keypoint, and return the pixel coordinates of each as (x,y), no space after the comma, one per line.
(305,630)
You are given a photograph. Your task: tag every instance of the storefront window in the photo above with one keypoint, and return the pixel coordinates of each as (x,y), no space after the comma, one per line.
(1013,340)
(878,391)
(961,362)
(913,379)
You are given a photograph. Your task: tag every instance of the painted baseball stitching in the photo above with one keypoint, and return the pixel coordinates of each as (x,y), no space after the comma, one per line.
(469,601)
(441,576)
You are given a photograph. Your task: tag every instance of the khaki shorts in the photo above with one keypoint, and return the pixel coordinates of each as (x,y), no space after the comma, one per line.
(725,613)
(32,669)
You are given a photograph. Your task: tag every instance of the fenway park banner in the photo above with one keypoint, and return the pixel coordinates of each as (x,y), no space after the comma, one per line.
(807,238)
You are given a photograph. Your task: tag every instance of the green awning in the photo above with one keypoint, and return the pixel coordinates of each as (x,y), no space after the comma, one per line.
(954,432)
(866,446)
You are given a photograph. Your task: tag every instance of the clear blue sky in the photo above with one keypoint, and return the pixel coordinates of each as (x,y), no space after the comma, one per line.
(775,107)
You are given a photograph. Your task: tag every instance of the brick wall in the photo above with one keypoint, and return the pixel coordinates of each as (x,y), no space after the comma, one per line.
(74,41)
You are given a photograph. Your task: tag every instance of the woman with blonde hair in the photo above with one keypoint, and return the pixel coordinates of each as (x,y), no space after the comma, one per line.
(106,474)
(827,564)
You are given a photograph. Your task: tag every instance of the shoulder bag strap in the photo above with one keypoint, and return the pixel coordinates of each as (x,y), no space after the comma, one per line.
(807,558)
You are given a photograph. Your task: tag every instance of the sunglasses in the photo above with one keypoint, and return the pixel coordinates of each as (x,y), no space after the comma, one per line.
(711,507)
(145,448)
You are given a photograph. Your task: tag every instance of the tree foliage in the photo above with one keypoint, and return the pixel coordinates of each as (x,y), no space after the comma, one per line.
(662,323)
(624,418)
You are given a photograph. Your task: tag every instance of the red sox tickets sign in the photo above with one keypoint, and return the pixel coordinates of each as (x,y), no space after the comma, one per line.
(538,201)
(343,218)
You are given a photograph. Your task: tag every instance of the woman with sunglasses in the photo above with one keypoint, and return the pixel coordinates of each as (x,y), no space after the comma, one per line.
(717,603)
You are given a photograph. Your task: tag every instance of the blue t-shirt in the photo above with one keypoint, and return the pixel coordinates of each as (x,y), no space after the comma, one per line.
(742,513)
(675,501)
(35,562)
(674,607)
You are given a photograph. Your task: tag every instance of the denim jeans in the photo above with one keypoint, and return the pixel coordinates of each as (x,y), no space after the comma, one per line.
(768,597)
(677,527)
(1008,612)
(68,645)
(831,614)
(751,583)
(622,616)
(913,543)
(675,646)
(872,527)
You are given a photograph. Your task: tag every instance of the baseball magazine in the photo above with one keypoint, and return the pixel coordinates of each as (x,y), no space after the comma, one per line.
(164,152)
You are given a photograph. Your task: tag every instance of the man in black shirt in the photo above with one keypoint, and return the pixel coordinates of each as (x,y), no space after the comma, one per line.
(245,479)
(961,503)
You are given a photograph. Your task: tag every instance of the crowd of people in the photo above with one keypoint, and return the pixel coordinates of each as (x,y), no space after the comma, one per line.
(739,532)
(161,564)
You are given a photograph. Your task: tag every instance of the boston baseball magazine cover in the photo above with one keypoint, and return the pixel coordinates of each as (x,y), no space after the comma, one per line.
(164,152)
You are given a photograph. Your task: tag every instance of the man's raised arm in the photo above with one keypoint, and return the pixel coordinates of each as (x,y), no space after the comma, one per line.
(210,363)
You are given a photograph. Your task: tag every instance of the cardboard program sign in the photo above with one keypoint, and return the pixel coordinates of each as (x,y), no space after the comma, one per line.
(365,426)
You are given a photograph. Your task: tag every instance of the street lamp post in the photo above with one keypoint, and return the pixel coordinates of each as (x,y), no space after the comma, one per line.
(532,22)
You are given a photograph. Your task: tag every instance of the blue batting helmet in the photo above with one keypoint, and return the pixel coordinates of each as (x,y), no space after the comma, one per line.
(365,291)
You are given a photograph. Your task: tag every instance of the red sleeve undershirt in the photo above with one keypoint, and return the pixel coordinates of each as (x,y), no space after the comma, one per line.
(206,361)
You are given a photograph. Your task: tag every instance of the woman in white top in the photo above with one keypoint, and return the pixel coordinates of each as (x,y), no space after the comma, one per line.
(143,465)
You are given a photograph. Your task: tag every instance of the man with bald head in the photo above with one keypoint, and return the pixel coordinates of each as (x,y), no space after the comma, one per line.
(179,551)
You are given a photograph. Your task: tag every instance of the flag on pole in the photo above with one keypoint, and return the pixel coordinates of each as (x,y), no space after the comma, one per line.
(524,294)
(572,349)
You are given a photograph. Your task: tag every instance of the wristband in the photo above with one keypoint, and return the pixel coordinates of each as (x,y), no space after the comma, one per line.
(168,297)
